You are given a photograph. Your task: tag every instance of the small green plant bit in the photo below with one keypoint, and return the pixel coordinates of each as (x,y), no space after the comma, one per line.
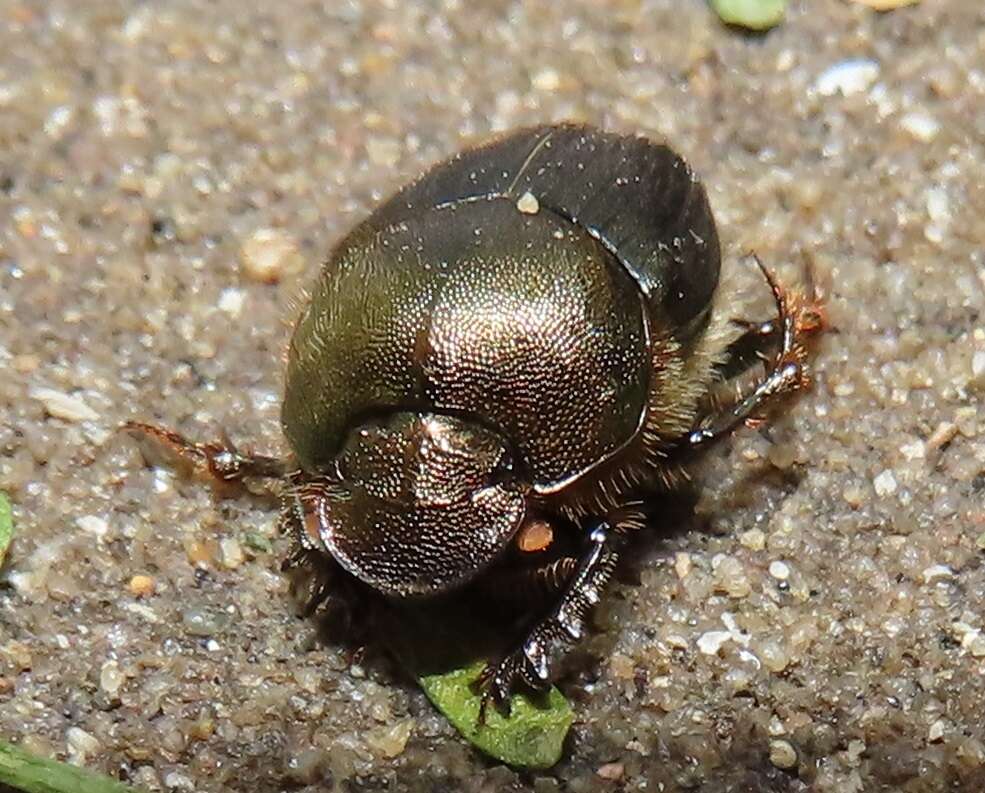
(751,14)
(30,774)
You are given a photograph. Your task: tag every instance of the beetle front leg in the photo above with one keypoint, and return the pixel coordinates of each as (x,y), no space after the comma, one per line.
(223,462)
(549,638)
(797,318)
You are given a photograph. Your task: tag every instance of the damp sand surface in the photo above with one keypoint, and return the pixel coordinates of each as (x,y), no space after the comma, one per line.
(172,174)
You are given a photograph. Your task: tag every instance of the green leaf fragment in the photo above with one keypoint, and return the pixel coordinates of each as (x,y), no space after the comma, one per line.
(531,737)
(31,774)
(257,542)
(751,14)
(6,526)
(445,649)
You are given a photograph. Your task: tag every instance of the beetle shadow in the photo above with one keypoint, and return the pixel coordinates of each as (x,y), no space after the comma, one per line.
(455,631)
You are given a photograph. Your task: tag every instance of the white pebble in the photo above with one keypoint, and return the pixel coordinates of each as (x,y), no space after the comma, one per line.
(176,780)
(913,451)
(936,731)
(111,678)
(754,539)
(936,571)
(528,204)
(938,205)
(384,152)
(62,405)
(921,126)
(231,552)
(546,80)
(782,754)
(779,570)
(975,644)
(142,611)
(231,301)
(81,745)
(93,524)
(268,255)
(978,364)
(57,120)
(711,642)
(885,483)
(847,77)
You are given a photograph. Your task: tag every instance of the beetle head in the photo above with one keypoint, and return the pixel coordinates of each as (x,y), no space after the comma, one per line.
(415,504)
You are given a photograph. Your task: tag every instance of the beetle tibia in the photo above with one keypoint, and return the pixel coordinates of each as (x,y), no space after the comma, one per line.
(531,663)
(222,461)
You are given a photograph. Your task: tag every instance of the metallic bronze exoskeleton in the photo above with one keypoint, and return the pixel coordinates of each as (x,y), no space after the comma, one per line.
(525,334)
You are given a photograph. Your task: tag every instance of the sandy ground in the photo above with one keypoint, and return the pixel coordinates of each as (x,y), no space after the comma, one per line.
(815,626)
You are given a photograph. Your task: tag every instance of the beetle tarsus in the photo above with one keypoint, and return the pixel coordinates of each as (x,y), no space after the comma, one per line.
(798,317)
(531,663)
(223,462)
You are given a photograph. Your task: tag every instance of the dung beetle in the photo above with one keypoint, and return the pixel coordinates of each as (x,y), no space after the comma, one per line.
(525,338)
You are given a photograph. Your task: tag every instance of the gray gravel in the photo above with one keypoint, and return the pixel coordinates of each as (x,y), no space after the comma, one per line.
(172,172)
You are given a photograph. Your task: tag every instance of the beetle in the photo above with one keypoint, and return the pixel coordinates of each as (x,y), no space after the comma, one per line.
(524,338)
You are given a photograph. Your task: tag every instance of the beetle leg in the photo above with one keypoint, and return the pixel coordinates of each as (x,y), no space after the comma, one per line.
(223,462)
(796,319)
(758,338)
(531,662)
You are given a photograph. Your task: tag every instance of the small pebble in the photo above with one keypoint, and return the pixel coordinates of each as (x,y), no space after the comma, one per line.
(782,754)
(936,731)
(391,741)
(921,126)
(141,585)
(978,364)
(111,678)
(914,450)
(938,205)
(546,79)
(885,483)
(682,564)
(754,539)
(62,405)
(199,552)
(269,255)
(81,745)
(943,435)
(976,646)
(711,642)
(384,152)
(854,495)
(773,656)
(528,204)
(611,771)
(730,577)
(779,570)
(622,666)
(200,622)
(847,77)
(93,524)
(178,781)
(231,553)
(855,750)
(231,301)
(931,574)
